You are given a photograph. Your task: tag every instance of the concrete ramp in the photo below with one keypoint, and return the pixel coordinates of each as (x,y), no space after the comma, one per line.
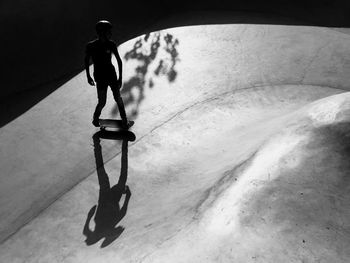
(286,202)
(235,128)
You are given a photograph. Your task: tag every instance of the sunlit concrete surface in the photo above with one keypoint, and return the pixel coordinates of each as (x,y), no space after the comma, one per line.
(241,154)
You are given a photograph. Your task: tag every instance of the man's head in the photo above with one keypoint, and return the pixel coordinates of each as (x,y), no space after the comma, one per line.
(104,29)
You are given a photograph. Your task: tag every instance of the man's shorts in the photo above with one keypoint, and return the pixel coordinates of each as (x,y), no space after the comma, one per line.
(107,77)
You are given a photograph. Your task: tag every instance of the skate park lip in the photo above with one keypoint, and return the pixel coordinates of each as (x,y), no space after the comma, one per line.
(34,93)
(212,101)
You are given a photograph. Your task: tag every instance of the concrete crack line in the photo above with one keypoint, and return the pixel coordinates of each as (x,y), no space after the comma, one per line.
(317,53)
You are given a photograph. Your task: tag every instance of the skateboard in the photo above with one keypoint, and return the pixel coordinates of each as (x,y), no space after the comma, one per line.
(117,124)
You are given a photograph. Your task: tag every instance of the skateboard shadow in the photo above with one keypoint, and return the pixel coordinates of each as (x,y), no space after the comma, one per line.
(116,135)
(108,212)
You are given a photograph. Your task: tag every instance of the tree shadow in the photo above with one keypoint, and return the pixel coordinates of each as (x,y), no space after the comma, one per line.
(145,51)
(108,212)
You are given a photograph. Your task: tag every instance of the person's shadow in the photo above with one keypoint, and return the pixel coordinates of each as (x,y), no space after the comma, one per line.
(108,213)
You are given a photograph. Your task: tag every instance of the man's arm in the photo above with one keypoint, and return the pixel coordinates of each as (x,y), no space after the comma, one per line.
(126,202)
(120,65)
(86,230)
(87,67)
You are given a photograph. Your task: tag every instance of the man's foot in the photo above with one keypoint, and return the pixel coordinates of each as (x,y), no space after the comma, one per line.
(96,123)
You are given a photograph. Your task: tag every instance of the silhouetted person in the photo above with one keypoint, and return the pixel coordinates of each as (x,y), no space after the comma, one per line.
(100,51)
(108,213)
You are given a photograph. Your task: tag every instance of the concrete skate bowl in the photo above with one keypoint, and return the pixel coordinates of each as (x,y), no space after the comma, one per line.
(241,152)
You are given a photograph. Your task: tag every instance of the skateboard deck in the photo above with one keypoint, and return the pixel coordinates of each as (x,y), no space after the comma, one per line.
(117,124)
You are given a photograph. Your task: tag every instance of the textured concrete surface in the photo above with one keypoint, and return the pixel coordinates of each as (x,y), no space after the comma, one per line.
(240,154)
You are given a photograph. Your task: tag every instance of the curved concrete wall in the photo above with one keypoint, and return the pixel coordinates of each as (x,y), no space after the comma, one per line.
(198,121)
(47,150)
(42,42)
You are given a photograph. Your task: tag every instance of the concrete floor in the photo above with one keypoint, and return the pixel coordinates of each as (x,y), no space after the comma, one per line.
(241,148)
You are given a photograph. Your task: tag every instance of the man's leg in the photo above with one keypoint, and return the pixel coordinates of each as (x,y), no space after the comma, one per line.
(119,101)
(102,97)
